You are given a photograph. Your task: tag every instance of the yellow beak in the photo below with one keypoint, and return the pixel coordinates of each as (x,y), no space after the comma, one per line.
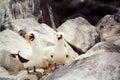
(27,38)
(28,41)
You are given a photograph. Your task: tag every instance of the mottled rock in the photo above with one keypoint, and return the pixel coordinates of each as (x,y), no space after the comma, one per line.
(8,78)
(79,33)
(15,9)
(5,15)
(12,41)
(3,71)
(29,24)
(21,8)
(103,64)
(8,62)
(108,27)
(22,75)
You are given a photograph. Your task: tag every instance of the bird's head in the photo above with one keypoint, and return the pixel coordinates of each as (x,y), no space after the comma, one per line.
(30,36)
(59,35)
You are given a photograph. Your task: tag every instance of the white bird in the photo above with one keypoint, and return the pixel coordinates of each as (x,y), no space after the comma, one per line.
(60,55)
(37,56)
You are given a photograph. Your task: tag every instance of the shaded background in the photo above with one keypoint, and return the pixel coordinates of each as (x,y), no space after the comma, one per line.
(92,10)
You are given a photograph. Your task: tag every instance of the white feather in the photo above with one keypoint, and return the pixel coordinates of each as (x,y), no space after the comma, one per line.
(59,51)
(37,56)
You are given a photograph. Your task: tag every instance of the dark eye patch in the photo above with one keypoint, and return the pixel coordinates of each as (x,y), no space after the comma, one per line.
(32,37)
(60,37)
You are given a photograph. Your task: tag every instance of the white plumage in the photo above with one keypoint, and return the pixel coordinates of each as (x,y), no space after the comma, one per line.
(37,56)
(60,54)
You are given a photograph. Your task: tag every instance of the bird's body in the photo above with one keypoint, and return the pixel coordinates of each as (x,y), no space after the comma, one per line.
(37,54)
(59,53)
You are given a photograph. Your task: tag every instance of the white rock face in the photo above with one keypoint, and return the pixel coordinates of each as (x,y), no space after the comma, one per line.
(103,64)
(3,71)
(30,24)
(9,63)
(108,27)
(79,33)
(12,42)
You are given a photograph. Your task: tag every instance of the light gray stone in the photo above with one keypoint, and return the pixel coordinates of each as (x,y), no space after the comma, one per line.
(102,65)
(46,33)
(79,33)
(108,27)
(11,64)
(12,41)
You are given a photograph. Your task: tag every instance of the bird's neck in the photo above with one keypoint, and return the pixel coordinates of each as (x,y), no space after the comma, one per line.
(60,44)
(36,46)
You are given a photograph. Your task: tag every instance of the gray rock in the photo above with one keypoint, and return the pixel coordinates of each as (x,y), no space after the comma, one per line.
(12,41)
(21,8)
(12,69)
(30,24)
(14,9)
(102,65)
(8,78)
(79,33)
(11,64)
(108,27)
(5,15)
(3,71)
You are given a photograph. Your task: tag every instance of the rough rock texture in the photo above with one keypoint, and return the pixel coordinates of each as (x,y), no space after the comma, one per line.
(22,75)
(20,16)
(12,68)
(103,65)
(61,10)
(108,27)
(5,15)
(21,8)
(12,41)
(24,25)
(79,33)
(15,9)
(3,71)
(8,62)
(8,78)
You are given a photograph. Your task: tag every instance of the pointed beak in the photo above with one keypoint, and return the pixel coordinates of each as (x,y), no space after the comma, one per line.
(59,37)
(27,38)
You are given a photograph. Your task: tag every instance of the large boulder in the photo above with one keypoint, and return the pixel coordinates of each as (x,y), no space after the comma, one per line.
(3,71)
(12,41)
(5,15)
(12,69)
(14,9)
(108,27)
(9,63)
(103,64)
(79,33)
(22,26)
(21,8)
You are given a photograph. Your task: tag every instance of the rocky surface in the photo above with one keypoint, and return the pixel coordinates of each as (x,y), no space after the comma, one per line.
(108,27)
(22,26)
(100,61)
(9,41)
(12,65)
(85,35)
(103,65)
(92,10)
